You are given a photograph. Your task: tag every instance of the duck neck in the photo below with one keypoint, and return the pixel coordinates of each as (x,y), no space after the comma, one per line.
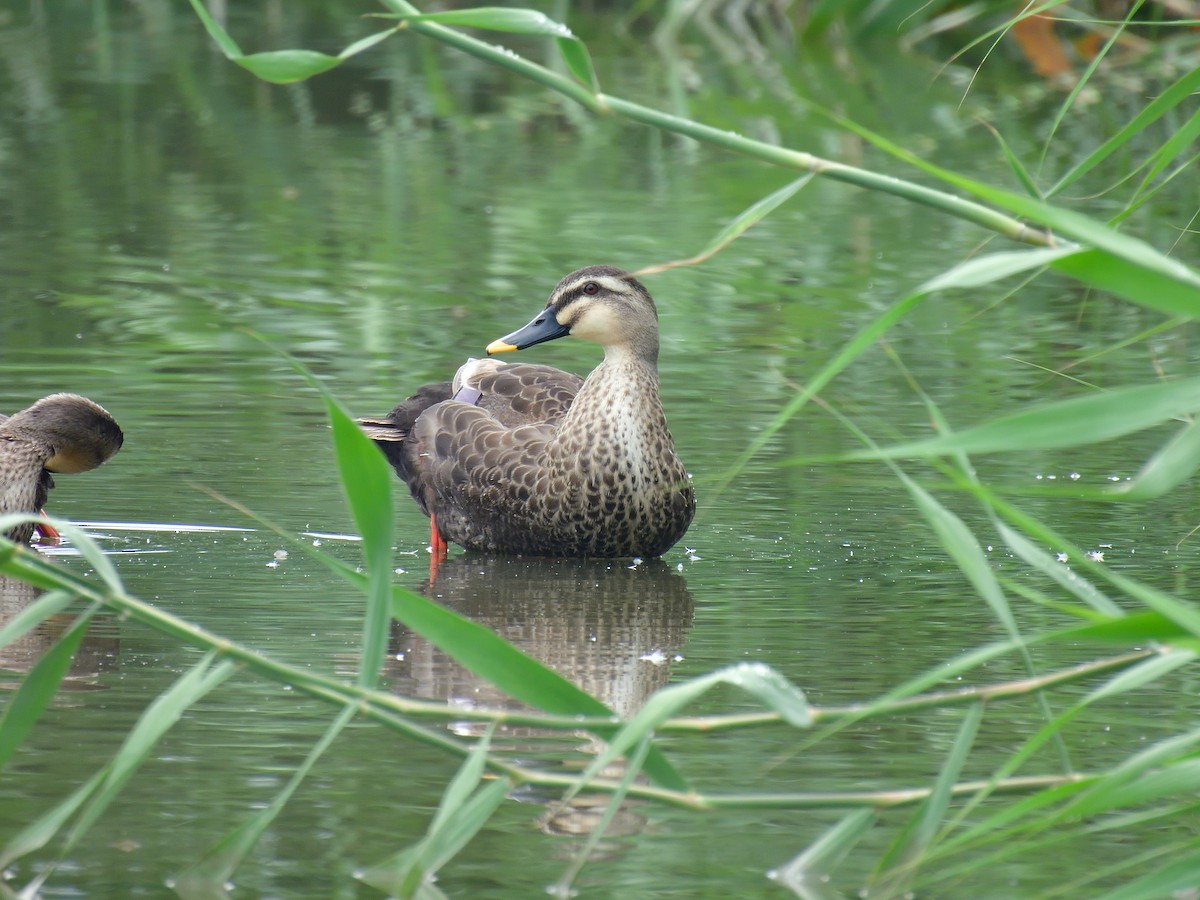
(622,393)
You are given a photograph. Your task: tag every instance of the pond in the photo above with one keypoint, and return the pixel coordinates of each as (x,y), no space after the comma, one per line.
(169,227)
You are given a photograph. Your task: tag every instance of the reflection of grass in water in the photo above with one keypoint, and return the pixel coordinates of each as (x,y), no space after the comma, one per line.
(953,836)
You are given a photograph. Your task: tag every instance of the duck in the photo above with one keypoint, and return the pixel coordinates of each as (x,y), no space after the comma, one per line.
(59,434)
(526,459)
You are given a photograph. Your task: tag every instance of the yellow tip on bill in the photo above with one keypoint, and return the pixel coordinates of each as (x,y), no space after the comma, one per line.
(499,347)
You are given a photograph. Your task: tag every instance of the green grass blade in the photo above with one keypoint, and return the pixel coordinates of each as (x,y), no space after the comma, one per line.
(749,217)
(972,273)
(983,270)
(1082,81)
(1143,273)
(367,481)
(157,719)
(1066,423)
(911,843)
(564,887)
(1171,466)
(1141,675)
(287,66)
(960,542)
(1014,163)
(222,39)
(457,828)
(40,832)
(1177,93)
(520,21)
(1177,878)
(282,66)
(1134,628)
(1181,612)
(366,43)
(92,552)
(866,336)
(762,682)
(578,61)
(212,871)
(38,688)
(813,867)
(464,809)
(1145,286)
(30,567)
(1049,566)
(464,782)
(1177,143)
(1110,791)
(496,18)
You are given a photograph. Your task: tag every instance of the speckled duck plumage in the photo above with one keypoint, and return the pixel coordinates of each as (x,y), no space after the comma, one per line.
(62,433)
(540,462)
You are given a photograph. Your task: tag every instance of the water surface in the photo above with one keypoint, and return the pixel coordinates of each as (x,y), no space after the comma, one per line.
(161,208)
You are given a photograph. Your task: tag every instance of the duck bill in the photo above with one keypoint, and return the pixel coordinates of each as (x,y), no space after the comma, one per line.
(543,328)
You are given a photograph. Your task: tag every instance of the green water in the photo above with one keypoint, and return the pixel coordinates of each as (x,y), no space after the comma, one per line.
(157,205)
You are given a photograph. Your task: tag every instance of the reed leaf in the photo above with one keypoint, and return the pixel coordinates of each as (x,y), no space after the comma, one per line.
(158,718)
(749,217)
(762,682)
(1181,140)
(39,687)
(91,798)
(807,872)
(1067,579)
(1066,423)
(1179,92)
(207,876)
(1130,629)
(464,809)
(493,18)
(960,542)
(282,66)
(1176,879)
(895,866)
(1014,163)
(1175,462)
(38,833)
(367,481)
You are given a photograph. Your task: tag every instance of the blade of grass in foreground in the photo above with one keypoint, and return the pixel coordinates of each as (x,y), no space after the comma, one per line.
(896,865)
(762,682)
(282,66)
(809,871)
(39,687)
(156,721)
(207,876)
(465,808)
(970,274)
(367,481)
(1067,423)
(95,795)
(1177,879)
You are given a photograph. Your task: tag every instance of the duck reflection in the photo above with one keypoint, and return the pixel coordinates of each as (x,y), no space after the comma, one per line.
(611,628)
(97,653)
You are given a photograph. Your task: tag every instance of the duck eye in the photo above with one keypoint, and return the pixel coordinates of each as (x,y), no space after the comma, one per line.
(591,288)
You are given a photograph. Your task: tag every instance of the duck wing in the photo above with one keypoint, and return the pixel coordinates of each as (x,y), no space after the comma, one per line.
(518,394)
(460,451)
